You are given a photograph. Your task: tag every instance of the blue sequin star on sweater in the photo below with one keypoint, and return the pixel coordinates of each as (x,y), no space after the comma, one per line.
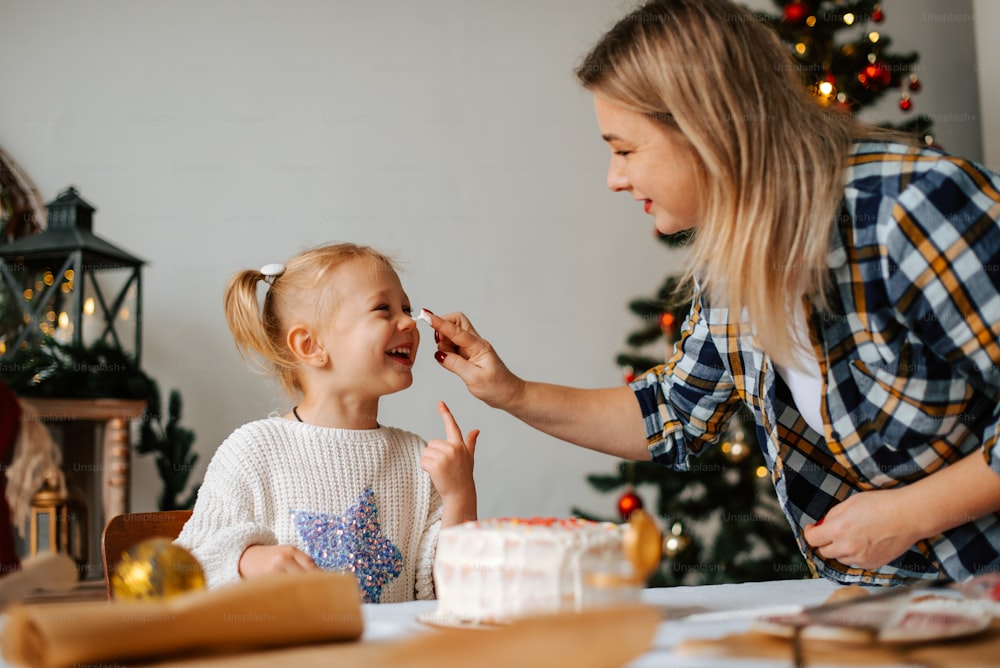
(352,541)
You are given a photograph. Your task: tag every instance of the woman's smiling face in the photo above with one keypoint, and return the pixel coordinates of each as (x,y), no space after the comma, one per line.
(653,163)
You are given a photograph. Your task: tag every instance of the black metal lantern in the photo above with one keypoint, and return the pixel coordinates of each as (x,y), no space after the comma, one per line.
(70,285)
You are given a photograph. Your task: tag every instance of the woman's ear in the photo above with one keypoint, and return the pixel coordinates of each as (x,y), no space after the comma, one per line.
(306,347)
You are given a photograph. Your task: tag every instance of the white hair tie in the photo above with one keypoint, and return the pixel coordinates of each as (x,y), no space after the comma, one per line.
(272,271)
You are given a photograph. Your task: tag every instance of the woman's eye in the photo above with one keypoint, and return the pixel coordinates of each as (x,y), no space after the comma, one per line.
(622,153)
(408,310)
(382,307)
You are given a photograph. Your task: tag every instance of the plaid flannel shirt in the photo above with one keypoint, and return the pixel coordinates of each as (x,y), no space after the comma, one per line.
(909,355)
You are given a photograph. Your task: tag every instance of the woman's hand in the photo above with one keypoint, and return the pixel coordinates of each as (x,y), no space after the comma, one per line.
(261,559)
(450,463)
(470,357)
(608,420)
(870,529)
(866,530)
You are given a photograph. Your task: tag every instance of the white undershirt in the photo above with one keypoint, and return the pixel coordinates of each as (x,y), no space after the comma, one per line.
(806,386)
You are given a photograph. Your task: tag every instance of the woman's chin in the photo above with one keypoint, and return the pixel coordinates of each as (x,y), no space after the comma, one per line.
(668,225)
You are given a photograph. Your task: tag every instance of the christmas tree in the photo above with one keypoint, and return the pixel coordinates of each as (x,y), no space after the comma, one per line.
(722,519)
(845,60)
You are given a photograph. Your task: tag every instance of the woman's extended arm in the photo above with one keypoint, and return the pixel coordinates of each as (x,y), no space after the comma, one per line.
(608,420)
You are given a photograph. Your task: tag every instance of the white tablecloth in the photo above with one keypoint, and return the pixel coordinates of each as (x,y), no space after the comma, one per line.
(396,620)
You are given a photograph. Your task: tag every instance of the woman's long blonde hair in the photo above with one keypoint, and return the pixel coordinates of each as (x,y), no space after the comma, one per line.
(302,293)
(772,159)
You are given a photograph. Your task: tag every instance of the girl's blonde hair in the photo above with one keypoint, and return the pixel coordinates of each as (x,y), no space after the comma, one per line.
(302,293)
(770,158)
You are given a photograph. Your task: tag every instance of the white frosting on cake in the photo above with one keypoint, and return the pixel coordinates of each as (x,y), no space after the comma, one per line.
(496,570)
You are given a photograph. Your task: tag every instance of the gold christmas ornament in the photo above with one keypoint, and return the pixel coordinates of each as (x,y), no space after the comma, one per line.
(156,569)
(676,541)
(736,449)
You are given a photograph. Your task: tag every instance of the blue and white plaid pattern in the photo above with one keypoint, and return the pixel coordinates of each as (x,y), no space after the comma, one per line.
(910,354)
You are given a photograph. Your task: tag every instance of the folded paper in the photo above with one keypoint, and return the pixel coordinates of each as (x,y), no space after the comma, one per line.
(272,611)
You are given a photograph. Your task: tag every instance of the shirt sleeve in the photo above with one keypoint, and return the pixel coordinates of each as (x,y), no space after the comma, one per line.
(942,266)
(223,524)
(424,583)
(687,402)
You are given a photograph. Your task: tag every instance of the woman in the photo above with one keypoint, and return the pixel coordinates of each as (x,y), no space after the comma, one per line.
(847,290)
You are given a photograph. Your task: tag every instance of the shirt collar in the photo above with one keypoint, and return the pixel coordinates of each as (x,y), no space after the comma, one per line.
(837,254)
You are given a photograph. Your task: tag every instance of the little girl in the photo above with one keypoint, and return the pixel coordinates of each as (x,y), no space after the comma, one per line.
(326,485)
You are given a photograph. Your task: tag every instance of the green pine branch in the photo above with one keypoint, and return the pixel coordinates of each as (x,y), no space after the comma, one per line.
(172,446)
(55,369)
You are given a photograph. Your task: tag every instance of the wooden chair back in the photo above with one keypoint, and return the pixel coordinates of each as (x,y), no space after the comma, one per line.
(123,531)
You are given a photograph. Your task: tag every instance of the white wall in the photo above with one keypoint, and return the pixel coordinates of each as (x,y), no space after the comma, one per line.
(214,136)
(987,25)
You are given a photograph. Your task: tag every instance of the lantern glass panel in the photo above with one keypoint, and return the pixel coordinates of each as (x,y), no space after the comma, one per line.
(33,297)
(56,315)
(69,306)
(77,544)
(43,539)
(110,309)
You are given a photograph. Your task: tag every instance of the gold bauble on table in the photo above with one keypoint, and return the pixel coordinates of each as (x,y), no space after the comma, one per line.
(641,544)
(156,569)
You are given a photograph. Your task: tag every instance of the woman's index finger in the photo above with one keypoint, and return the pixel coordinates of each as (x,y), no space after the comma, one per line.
(460,337)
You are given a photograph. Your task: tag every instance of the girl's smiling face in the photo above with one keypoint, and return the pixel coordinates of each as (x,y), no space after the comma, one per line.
(372,338)
(653,163)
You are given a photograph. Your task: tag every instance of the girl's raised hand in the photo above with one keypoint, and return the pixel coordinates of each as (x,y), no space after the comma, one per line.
(450,464)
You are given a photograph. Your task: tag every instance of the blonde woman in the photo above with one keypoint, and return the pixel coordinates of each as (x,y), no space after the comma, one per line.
(847,291)
(326,485)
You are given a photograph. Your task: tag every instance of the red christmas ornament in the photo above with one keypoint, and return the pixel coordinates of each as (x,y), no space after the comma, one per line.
(878,15)
(628,374)
(628,502)
(795,12)
(667,321)
(905,103)
(884,73)
(914,83)
(875,75)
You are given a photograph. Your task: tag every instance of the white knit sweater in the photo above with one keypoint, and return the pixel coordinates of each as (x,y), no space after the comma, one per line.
(351,499)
